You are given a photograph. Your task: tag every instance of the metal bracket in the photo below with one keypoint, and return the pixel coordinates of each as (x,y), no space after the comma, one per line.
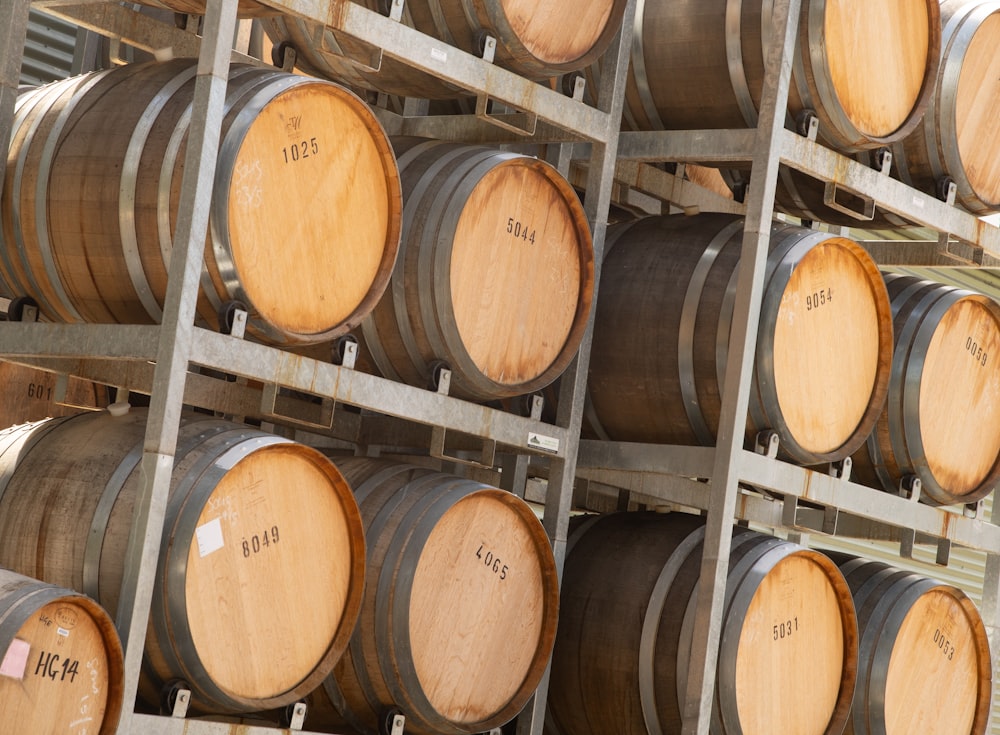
(360,54)
(579,87)
(181,703)
(907,541)
(392,724)
(842,469)
(807,124)
(522,123)
(268,408)
(830,191)
(297,716)
(537,405)
(974,510)
(883,164)
(767,443)
(396,10)
(345,352)
(910,487)
(487,458)
(23,309)
(943,552)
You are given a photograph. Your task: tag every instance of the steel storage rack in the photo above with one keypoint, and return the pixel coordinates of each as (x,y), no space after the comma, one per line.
(156,359)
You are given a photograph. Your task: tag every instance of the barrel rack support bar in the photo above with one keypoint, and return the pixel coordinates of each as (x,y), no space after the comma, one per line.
(462,69)
(562,474)
(13,33)
(174,345)
(697,702)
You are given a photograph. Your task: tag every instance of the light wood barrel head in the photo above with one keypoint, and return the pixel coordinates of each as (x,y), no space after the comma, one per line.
(270,572)
(313,208)
(791,651)
(558,32)
(890,36)
(482,603)
(520,247)
(59,675)
(827,352)
(960,396)
(977,110)
(933,681)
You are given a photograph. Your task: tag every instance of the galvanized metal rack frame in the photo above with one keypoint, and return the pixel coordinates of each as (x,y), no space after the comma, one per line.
(742,485)
(156,359)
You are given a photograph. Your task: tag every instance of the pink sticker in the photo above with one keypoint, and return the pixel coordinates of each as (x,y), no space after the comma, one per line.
(15,661)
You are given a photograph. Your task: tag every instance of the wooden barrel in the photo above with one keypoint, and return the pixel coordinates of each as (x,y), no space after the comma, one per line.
(61,663)
(661,337)
(30,394)
(924,659)
(865,67)
(495,273)
(941,422)
(535,42)
(296,156)
(954,140)
(260,577)
(460,609)
(788,654)
(956,137)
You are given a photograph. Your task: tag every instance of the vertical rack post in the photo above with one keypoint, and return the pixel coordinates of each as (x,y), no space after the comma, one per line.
(559,496)
(13,33)
(175,339)
(697,703)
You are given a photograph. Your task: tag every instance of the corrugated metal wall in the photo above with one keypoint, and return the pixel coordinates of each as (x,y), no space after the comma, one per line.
(48,51)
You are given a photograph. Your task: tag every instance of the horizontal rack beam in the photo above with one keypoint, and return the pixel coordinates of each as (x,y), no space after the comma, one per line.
(451,65)
(668,474)
(816,160)
(153,725)
(134,28)
(89,351)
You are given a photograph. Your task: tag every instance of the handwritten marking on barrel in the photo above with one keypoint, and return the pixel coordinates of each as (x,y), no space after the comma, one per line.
(48,666)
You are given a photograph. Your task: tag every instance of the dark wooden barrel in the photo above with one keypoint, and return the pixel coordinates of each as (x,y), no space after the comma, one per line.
(536,41)
(261,573)
(30,394)
(924,658)
(297,155)
(460,609)
(865,68)
(495,274)
(941,422)
(661,337)
(61,662)
(788,655)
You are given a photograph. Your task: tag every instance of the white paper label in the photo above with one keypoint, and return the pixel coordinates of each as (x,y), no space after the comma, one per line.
(63,632)
(15,661)
(439,54)
(209,537)
(545,443)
